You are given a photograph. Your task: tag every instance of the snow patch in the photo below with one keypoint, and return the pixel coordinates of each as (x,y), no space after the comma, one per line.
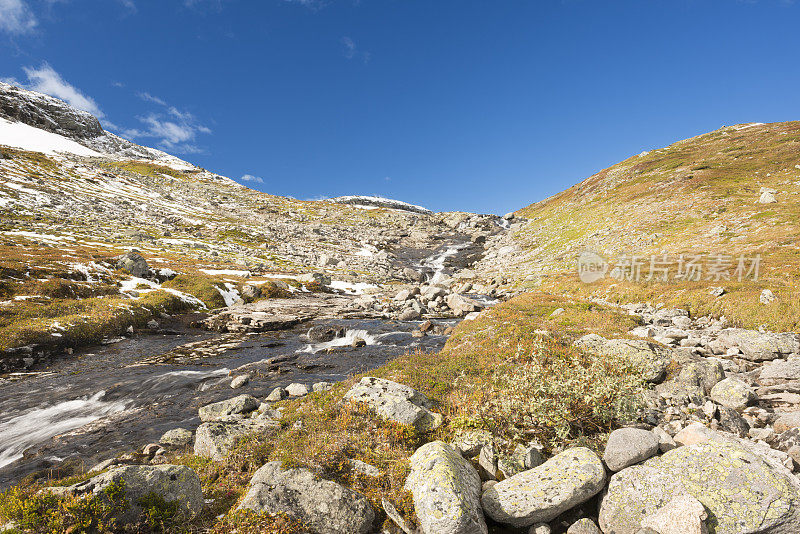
(20,135)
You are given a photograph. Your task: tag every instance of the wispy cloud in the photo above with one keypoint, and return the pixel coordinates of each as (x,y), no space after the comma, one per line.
(251,178)
(351,50)
(147,97)
(16,17)
(45,79)
(175,130)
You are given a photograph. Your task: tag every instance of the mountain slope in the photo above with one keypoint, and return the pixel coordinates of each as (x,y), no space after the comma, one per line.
(700,196)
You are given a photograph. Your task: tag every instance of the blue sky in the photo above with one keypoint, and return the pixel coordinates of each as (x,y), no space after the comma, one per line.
(480,106)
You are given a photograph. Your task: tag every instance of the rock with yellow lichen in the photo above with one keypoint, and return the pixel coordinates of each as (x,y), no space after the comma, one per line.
(544,492)
(446,491)
(743,492)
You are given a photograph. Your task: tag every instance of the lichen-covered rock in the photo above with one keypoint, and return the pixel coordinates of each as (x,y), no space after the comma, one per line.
(733,393)
(628,446)
(215,439)
(651,358)
(446,491)
(682,515)
(177,437)
(395,402)
(757,346)
(172,483)
(323,506)
(583,526)
(786,422)
(779,372)
(699,371)
(134,264)
(544,492)
(522,458)
(743,492)
(223,410)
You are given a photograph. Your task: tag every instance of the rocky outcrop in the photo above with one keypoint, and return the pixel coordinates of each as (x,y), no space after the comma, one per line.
(323,506)
(446,491)
(395,402)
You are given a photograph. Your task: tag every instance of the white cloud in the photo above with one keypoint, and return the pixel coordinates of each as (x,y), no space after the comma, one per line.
(16,17)
(351,51)
(147,97)
(251,178)
(46,80)
(130,5)
(175,130)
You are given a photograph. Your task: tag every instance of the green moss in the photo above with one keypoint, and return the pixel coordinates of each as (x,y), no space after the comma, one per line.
(202,287)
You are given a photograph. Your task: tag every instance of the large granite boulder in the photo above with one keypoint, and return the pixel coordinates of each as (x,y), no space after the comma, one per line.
(323,506)
(733,393)
(652,358)
(758,346)
(395,402)
(215,439)
(134,264)
(223,410)
(446,491)
(628,446)
(742,491)
(544,492)
(173,483)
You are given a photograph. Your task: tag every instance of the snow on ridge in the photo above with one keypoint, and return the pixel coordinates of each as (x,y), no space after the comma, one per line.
(376,201)
(20,135)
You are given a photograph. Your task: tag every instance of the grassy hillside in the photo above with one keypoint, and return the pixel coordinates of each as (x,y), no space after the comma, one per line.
(699,196)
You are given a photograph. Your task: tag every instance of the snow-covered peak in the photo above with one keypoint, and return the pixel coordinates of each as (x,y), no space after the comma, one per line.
(378,202)
(41,123)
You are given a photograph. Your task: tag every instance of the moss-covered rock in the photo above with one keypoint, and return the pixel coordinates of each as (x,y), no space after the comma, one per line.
(543,493)
(446,491)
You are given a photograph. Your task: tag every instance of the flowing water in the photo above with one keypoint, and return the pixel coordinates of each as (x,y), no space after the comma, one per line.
(98,403)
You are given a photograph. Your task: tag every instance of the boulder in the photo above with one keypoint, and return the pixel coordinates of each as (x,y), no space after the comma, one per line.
(522,458)
(767,297)
(215,439)
(780,372)
(786,422)
(544,492)
(743,492)
(395,402)
(409,314)
(224,410)
(461,305)
(412,275)
(240,381)
(296,389)
(316,278)
(767,197)
(682,515)
(583,526)
(446,490)
(628,446)
(757,346)
(177,437)
(134,264)
(173,483)
(651,358)
(323,506)
(733,393)
(250,292)
(323,333)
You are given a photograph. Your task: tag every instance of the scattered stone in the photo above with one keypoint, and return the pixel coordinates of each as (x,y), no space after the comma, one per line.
(461,305)
(780,371)
(322,386)
(716,291)
(323,334)
(177,437)
(767,297)
(358,342)
(446,491)
(540,528)
(365,468)
(297,390)
(223,410)
(412,275)
(544,492)
(786,422)
(323,506)
(240,381)
(395,402)
(409,314)
(733,393)
(277,394)
(522,458)
(250,292)
(628,446)
(134,264)
(767,197)
(394,515)
(583,526)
